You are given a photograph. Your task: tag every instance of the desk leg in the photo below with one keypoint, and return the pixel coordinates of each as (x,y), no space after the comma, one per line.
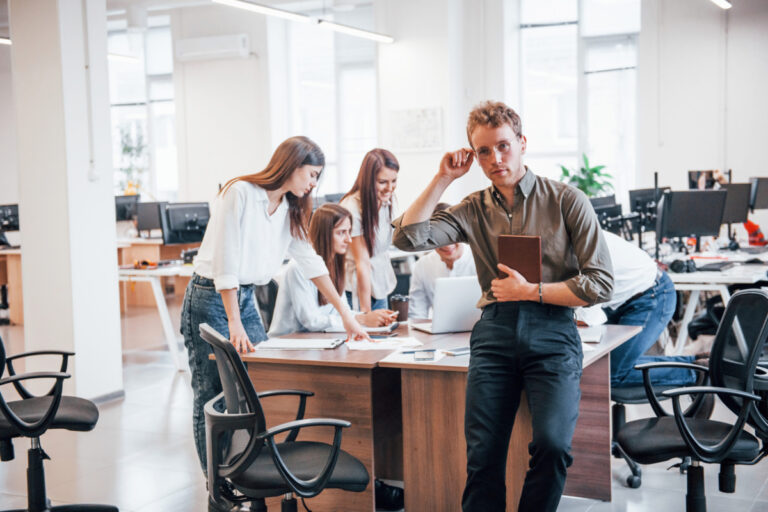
(344,393)
(690,309)
(165,318)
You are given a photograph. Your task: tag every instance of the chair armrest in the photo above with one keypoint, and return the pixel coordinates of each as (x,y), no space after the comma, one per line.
(313,486)
(299,412)
(37,428)
(646,368)
(20,389)
(719,451)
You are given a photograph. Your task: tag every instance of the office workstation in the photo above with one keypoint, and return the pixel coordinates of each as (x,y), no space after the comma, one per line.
(182,97)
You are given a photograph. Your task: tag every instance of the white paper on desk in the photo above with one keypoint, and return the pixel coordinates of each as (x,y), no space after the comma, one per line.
(373,330)
(399,357)
(591,334)
(388,344)
(586,347)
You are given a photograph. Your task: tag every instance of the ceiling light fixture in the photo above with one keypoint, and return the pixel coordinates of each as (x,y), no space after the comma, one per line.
(292,16)
(263,9)
(358,32)
(5,40)
(723,4)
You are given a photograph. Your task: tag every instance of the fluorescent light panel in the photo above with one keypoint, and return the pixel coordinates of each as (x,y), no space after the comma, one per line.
(263,9)
(723,4)
(5,40)
(358,32)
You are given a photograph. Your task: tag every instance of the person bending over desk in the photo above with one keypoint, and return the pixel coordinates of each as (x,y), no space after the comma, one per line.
(256,220)
(299,306)
(526,339)
(452,260)
(643,295)
(370,277)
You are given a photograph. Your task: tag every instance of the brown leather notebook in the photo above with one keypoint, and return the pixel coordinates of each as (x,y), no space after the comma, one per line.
(522,253)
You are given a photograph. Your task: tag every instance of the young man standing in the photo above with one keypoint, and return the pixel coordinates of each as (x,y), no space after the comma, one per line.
(526,339)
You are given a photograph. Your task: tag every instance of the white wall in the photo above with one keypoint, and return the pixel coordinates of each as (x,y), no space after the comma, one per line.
(701,94)
(222,106)
(9,176)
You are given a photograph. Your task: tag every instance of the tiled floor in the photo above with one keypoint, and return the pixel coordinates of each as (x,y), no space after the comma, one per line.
(141,456)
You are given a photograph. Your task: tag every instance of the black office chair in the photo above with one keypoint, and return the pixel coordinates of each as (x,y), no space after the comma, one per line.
(32,416)
(247,464)
(735,378)
(266,297)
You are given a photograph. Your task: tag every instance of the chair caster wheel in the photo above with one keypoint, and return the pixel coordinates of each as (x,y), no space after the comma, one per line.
(633,482)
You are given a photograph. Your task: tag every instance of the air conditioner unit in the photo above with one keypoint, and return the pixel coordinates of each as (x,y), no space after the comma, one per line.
(214,47)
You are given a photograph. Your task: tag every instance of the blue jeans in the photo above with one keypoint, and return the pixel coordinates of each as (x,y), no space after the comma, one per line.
(375,303)
(515,347)
(653,309)
(203,304)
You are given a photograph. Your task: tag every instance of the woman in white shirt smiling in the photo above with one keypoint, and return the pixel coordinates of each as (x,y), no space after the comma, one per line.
(299,306)
(256,221)
(370,277)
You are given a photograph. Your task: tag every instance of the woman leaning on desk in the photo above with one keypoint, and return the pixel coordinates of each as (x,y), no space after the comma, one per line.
(256,221)
(370,277)
(299,306)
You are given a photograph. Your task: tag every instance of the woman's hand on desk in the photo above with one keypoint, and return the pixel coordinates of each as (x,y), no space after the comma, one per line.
(377,318)
(514,287)
(239,338)
(355,331)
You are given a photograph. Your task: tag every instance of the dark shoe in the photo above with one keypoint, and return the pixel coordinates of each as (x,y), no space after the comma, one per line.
(388,497)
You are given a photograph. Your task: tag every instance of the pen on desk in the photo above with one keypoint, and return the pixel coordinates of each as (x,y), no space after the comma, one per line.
(414,351)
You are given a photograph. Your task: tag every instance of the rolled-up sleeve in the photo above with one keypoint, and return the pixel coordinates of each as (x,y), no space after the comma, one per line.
(594,283)
(445,227)
(311,264)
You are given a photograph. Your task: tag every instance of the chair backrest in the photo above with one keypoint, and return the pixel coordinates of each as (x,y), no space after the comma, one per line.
(266,296)
(2,357)
(737,347)
(239,395)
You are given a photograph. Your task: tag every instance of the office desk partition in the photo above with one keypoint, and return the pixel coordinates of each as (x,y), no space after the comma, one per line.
(408,418)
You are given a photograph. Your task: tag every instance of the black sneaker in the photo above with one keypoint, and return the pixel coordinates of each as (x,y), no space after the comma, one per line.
(388,497)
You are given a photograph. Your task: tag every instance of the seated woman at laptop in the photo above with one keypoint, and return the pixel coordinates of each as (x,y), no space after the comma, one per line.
(452,260)
(370,277)
(299,306)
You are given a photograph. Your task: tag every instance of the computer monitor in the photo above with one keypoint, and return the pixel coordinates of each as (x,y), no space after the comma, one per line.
(759,194)
(184,223)
(334,198)
(9,217)
(599,202)
(736,202)
(148,217)
(643,200)
(125,207)
(610,218)
(690,213)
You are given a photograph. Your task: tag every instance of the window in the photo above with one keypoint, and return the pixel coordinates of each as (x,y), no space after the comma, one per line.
(577,75)
(142,109)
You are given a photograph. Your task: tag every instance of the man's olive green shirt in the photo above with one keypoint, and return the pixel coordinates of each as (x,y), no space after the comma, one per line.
(572,246)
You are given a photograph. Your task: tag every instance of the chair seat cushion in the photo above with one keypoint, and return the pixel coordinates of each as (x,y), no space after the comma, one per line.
(305,460)
(652,440)
(636,394)
(73,414)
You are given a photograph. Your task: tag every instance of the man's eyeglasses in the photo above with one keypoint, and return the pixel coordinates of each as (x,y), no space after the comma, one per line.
(486,153)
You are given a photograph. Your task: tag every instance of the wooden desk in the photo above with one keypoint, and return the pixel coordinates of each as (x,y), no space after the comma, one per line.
(434,448)
(10,274)
(408,419)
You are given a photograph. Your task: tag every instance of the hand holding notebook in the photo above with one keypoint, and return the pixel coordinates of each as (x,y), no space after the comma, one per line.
(523,255)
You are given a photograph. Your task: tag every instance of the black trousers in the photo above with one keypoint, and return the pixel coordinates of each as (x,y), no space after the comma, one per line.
(531,347)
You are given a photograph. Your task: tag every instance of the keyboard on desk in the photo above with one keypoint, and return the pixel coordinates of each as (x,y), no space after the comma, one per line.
(716,266)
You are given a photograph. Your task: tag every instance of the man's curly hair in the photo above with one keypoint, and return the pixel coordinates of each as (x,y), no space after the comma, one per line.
(493,114)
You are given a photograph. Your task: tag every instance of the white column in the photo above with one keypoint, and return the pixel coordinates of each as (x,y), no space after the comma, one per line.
(66,206)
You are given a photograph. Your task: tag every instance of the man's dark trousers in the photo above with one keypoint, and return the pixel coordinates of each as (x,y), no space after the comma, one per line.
(531,347)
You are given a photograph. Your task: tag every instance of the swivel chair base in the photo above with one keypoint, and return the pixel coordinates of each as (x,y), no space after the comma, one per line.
(37,501)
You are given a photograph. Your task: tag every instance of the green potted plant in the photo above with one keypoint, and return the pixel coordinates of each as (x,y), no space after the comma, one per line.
(590,180)
(133,159)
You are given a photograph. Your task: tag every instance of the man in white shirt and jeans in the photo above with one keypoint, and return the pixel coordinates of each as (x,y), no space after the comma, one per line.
(453,260)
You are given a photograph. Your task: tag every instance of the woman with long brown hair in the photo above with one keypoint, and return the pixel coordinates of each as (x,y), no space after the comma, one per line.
(299,306)
(370,277)
(256,221)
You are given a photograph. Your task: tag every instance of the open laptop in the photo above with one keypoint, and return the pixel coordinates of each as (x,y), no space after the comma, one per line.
(455,306)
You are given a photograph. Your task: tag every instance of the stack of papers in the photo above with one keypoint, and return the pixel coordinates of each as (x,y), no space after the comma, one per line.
(399,357)
(388,344)
(591,334)
(298,343)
